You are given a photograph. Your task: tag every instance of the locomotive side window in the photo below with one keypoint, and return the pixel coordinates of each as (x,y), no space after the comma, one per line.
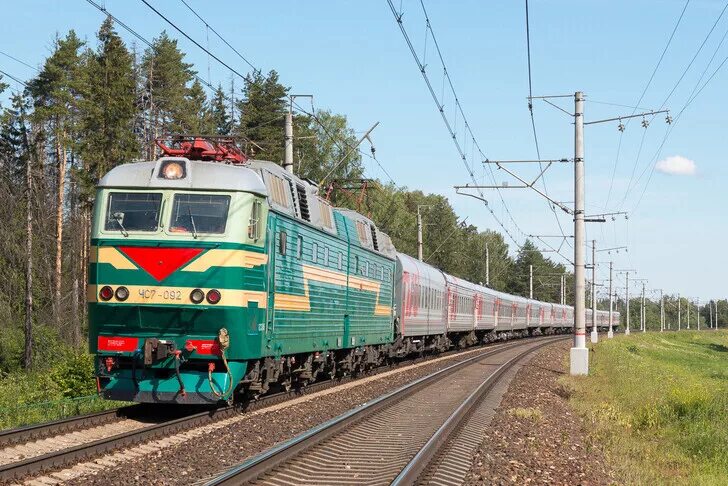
(133,211)
(282,242)
(254,223)
(299,248)
(199,213)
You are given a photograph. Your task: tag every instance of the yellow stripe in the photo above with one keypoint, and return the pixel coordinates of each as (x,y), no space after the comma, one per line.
(317,274)
(293,302)
(382,310)
(141,294)
(226,258)
(112,256)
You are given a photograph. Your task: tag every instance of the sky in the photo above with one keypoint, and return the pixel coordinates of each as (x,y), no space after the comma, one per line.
(352,57)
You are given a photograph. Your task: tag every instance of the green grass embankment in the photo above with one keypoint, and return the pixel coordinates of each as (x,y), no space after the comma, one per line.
(63,389)
(658,402)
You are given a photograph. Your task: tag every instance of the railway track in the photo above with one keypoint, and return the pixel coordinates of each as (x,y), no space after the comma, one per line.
(419,433)
(36,449)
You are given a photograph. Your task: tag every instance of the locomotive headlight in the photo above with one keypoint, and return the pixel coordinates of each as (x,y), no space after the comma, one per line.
(197,296)
(106,293)
(213,296)
(122,293)
(172,170)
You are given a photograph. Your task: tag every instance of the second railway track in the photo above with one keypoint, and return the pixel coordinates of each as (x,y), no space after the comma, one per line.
(31,450)
(407,436)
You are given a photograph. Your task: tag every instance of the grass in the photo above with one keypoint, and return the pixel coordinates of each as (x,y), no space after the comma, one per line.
(63,389)
(659,405)
(529,413)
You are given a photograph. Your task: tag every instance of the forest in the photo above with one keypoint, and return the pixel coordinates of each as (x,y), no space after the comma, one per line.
(95,105)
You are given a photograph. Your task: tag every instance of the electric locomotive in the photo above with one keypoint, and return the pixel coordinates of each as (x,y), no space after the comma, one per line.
(212,274)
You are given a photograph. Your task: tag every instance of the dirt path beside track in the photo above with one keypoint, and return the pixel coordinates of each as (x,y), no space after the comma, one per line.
(535,437)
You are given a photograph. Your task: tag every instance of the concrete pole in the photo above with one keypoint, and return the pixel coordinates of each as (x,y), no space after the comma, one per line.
(643,314)
(610,333)
(626,291)
(697,312)
(716,314)
(562,289)
(288,161)
(594,334)
(662,312)
(688,314)
(710,309)
(419,234)
(530,281)
(487,266)
(679,324)
(579,354)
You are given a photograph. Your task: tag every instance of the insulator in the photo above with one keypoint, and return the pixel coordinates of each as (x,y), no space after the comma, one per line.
(668,119)
(620,127)
(645,123)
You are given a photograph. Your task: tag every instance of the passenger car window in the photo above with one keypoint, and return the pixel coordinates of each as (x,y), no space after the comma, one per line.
(133,211)
(199,213)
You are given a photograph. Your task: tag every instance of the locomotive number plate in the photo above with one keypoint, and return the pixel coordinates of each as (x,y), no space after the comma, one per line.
(160,294)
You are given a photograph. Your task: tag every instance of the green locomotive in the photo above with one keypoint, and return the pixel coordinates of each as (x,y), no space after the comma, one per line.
(212,275)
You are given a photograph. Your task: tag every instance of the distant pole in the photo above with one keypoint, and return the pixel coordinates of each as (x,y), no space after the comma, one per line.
(530,281)
(288,162)
(487,266)
(610,334)
(697,312)
(716,314)
(579,353)
(419,234)
(563,300)
(594,334)
(662,312)
(688,313)
(679,317)
(642,313)
(710,309)
(626,291)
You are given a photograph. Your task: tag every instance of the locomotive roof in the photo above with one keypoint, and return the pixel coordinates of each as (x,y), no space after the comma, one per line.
(200,175)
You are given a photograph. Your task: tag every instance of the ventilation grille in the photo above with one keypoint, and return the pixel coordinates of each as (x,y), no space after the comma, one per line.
(303,203)
(374,237)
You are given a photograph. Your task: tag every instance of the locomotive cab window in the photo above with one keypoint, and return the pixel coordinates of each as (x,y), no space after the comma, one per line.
(133,211)
(199,213)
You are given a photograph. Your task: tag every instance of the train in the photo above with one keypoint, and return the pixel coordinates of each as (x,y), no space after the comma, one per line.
(214,277)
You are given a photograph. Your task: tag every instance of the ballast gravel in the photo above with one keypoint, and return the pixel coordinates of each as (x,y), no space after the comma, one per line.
(535,437)
(223,445)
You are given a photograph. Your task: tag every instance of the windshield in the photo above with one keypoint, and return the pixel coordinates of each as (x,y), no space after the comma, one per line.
(133,211)
(199,213)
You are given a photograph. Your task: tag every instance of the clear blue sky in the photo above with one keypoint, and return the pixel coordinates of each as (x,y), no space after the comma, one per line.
(352,57)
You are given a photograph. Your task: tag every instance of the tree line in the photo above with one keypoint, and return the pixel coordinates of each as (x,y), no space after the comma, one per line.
(93,107)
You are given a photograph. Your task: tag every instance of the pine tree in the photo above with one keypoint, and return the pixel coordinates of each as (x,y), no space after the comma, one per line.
(199,115)
(167,78)
(56,93)
(262,114)
(219,112)
(108,109)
